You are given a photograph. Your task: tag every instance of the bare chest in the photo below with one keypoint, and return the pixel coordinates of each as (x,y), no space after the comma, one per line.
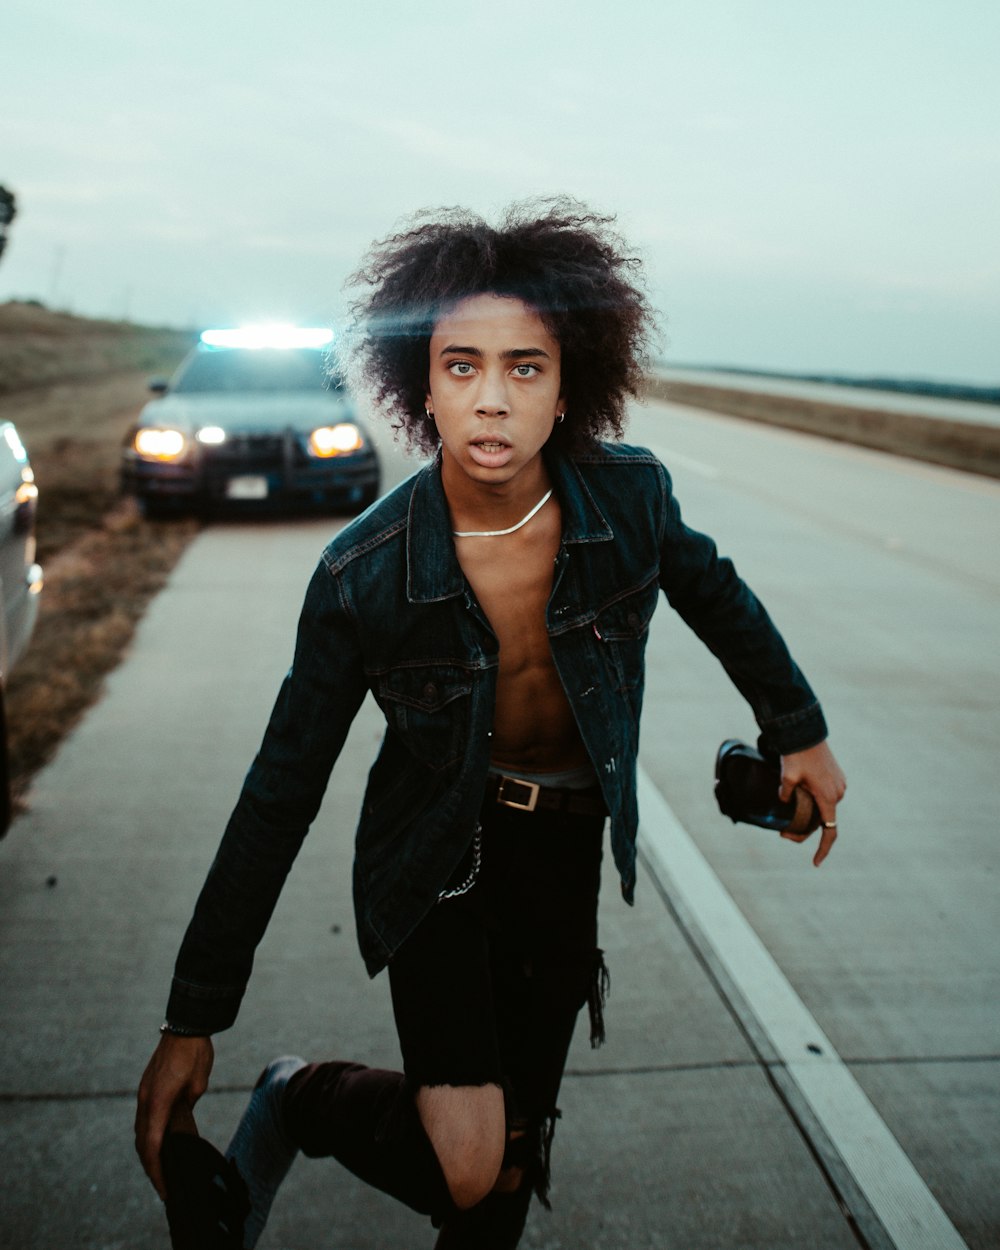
(512,580)
(533,724)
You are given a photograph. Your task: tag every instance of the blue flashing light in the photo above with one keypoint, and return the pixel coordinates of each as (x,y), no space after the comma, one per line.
(261,336)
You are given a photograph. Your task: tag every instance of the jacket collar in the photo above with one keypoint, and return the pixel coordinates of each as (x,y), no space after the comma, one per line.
(432,569)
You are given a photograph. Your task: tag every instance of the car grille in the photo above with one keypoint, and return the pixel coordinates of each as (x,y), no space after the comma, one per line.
(248,453)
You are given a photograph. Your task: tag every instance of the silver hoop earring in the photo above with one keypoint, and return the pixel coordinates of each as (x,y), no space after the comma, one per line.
(429,415)
(560,418)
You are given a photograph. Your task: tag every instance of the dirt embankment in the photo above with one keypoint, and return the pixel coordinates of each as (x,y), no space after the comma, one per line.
(72,387)
(39,347)
(965,445)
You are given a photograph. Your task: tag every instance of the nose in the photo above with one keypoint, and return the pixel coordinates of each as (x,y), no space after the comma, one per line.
(492,400)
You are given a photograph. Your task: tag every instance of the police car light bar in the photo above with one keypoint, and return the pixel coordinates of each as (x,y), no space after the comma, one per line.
(267,336)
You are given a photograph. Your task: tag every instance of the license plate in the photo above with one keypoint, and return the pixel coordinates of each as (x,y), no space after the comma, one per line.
(246,488)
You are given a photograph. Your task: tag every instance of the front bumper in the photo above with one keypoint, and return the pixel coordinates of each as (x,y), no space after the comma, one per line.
(256,470)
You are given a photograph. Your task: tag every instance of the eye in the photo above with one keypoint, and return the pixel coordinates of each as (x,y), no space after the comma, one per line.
(525,370)
(461,368)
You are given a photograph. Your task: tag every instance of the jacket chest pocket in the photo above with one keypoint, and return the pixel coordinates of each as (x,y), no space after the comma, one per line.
(428,707)
(621,629)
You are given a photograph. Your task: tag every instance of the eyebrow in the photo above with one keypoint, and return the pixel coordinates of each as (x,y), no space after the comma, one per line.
(512,353)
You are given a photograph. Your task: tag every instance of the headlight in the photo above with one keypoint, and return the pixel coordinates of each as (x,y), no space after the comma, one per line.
(27,490)
(335,440)
(160,444)
(213,435)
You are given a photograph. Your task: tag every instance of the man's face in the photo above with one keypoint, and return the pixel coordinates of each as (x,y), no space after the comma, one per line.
(494,387)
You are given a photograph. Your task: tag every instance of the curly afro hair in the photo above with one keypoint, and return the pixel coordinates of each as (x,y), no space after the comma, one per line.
(556,256)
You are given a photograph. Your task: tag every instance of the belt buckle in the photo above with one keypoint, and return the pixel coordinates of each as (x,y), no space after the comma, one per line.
(531,786)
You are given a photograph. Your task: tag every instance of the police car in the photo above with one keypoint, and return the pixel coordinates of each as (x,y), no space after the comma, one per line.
(252,418)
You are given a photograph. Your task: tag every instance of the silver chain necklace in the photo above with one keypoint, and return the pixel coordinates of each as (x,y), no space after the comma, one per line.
(500,533)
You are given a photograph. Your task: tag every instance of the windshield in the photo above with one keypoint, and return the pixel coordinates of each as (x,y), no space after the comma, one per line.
(236,371)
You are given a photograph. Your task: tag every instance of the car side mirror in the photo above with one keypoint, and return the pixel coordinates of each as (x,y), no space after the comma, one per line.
(158,386)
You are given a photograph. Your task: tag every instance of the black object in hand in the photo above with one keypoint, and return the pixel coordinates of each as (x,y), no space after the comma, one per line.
(746,788)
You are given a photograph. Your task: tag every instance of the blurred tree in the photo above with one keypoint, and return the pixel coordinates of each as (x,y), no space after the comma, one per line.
(8,211)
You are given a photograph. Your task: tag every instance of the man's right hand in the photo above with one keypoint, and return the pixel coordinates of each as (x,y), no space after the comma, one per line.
(175,1078)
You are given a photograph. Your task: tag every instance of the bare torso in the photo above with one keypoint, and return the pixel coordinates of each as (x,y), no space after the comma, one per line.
(534,729)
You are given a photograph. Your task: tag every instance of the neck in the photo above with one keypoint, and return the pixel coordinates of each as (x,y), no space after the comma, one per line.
(476,505)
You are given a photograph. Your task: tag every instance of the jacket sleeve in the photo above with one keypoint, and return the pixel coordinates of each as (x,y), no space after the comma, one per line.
(281,795)
(707,592)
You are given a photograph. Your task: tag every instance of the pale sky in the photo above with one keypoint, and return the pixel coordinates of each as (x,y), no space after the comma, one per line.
(813,184)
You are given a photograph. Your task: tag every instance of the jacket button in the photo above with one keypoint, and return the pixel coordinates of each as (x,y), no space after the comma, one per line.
(633,619)
(430,691)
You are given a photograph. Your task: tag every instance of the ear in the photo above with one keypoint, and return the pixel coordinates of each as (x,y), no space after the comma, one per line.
(429,401)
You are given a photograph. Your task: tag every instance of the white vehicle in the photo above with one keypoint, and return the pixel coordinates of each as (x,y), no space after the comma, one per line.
(20,578)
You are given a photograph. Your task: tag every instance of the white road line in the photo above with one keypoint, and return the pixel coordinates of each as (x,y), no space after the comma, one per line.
(684,462)
(900,1200)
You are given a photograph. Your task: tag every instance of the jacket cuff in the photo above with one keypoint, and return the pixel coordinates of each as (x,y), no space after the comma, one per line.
(200,1010)
(795,731)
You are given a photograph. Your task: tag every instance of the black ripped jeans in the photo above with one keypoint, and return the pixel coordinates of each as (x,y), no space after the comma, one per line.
(485,991)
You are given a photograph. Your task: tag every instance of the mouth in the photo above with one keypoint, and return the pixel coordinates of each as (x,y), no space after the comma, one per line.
(490,451)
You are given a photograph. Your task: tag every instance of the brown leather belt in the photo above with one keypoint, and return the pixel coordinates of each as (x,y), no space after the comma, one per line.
(529,796)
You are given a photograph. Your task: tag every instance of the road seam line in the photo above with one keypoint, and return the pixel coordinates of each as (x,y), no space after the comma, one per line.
(701,467)
(897,1195)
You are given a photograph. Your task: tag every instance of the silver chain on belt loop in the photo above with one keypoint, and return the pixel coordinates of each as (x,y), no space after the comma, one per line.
(470,880)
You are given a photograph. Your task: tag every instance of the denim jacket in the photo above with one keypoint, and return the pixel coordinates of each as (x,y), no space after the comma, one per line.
(389,610)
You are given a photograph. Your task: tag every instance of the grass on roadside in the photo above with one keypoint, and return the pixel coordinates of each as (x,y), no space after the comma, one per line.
(40,346)
(73,432)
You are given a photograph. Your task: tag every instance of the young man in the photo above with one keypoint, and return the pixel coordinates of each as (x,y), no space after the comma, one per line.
(497,605)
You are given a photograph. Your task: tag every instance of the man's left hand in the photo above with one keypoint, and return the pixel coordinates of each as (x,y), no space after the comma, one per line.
(818,771)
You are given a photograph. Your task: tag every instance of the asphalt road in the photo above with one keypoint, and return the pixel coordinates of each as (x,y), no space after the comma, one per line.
(681,1132)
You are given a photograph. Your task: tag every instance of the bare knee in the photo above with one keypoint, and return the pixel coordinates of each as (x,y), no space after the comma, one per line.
(465,1124)
(470,1183)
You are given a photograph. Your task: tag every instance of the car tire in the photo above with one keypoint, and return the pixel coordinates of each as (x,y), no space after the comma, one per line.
(154,509)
